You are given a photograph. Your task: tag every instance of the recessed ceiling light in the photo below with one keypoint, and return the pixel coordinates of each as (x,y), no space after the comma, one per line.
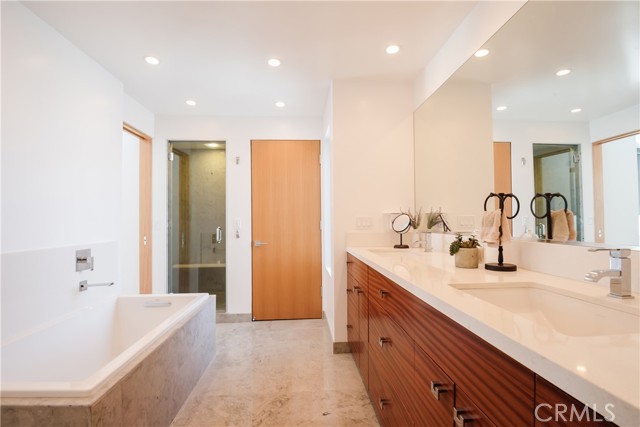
(563,72)
(481,53)
(501,108)
(152,60)
(576,110)
(280,104)
(190,102)
(211,145)
(274,62)
(392,49)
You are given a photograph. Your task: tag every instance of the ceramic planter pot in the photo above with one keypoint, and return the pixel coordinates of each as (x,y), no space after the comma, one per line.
(467,258)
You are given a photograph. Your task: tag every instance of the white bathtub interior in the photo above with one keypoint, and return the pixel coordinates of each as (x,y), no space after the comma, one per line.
(75,354)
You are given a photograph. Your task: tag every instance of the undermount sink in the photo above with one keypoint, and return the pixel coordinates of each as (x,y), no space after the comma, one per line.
(414,251)
(566,313)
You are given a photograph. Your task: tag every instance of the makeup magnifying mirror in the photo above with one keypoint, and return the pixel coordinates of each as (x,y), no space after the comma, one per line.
(401,224)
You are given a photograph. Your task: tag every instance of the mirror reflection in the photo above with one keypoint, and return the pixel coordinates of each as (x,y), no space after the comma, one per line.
(554,107)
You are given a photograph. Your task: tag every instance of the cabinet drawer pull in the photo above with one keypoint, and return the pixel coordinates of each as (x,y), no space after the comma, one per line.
(383,293)
(382,403)
(358,290)
(349,290)
(382,341)
(349,326)
(436,389)
(458,417)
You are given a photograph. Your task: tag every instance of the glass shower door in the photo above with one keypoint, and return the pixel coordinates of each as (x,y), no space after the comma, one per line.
(197,217)
(556,169)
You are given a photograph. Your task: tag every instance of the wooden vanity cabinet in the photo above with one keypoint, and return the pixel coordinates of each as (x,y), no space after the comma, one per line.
(386,403)
(358,314)
(555,408)
(433,400)
(425,370)
(500,387)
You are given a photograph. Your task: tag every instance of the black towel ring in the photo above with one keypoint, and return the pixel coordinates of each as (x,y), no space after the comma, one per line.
(503,197)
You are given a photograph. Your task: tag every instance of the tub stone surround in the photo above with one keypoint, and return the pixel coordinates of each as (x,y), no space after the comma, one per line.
(149,394)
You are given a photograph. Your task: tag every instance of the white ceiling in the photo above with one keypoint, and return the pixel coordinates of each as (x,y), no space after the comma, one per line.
(216,52)
(598,40)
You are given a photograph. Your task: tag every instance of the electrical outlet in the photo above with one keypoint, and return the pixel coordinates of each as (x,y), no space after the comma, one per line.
(466,221)
(364,223)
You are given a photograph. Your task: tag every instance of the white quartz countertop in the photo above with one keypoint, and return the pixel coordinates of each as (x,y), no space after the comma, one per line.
(596,368)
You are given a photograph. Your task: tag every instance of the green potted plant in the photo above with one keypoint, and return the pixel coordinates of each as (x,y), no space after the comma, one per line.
(465,251)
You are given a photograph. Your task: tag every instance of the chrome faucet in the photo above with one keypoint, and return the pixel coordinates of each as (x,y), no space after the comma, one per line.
(619,273)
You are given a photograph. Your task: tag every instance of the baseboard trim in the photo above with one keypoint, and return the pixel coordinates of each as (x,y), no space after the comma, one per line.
(233,317)
(341,347)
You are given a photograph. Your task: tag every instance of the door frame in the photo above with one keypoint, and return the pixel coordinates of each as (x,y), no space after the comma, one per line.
(598,184)
(145,247)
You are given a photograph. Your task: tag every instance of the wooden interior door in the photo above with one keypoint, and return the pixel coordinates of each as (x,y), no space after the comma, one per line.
(502,175)
(287,257)
(144,209)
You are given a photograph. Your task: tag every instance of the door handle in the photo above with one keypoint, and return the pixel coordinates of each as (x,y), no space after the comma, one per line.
(219,234)
(259,243)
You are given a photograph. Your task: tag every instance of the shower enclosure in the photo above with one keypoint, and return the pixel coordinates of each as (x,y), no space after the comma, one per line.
(556,169)
(197,217)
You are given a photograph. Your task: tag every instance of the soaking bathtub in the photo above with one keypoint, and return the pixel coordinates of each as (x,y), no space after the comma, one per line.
(129,361)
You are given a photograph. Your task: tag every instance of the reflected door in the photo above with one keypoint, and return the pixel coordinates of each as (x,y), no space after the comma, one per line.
(556,169)
(197,218)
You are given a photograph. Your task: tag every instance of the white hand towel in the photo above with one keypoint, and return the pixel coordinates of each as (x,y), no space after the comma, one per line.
(490,229)
(559,226)
(489,232)
(571,225)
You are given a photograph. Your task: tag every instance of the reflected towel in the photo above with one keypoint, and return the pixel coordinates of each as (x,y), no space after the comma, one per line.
(490,229)
(571,225)
(560,226)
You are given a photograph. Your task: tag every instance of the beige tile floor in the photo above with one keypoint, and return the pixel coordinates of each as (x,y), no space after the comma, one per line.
(280,374)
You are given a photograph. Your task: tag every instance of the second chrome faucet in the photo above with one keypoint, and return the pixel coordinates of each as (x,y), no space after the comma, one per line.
(619,273)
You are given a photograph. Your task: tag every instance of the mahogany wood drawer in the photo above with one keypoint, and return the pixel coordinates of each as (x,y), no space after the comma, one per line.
(358,270)
(388,406)
(391,351)
(501,387)
(432,402)
(467,414)
(397,302)
(555,408)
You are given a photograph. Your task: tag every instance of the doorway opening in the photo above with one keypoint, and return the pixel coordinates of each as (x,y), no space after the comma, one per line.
(197,218)
(556,169)
(135,256)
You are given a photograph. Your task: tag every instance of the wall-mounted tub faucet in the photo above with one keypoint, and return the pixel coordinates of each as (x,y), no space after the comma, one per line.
(84,285)
(619,273)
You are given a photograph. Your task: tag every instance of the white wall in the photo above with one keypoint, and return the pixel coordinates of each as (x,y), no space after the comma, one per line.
(522,136)
(328,296)
(620,190)
(138,116)
(620,122)
(62,117)
(480,24)
(129,253)
(454,162)
(61,171)
(238,133)
(372,161)
(61,139)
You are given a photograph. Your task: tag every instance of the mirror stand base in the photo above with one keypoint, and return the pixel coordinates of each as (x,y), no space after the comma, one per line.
(494,266)
(400,246)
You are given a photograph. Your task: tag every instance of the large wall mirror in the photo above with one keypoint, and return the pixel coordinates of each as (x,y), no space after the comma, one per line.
(576,133)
